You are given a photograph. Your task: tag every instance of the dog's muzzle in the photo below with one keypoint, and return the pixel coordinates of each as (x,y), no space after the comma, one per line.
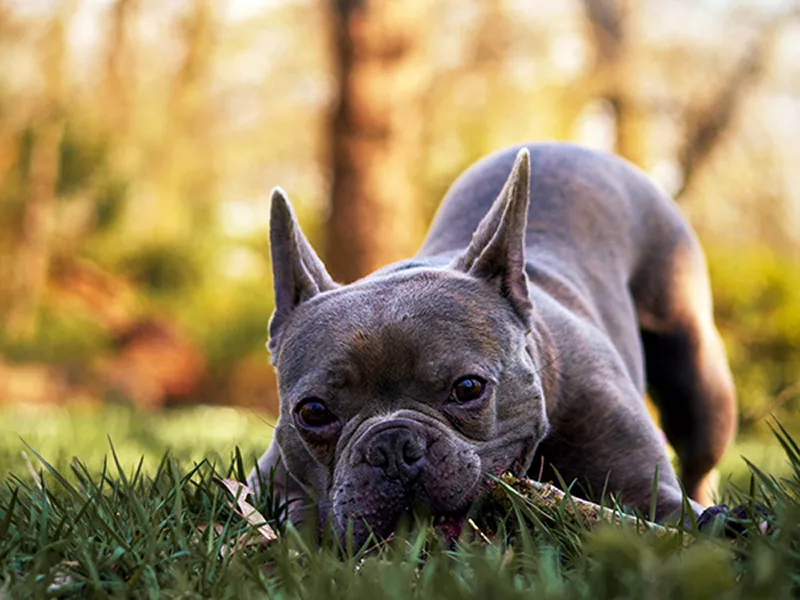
(399,465)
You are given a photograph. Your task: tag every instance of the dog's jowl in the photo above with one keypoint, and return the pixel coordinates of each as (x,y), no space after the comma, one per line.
(555,288)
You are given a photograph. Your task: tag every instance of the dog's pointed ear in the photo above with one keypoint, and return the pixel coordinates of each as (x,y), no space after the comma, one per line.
(297,272)
(496,252)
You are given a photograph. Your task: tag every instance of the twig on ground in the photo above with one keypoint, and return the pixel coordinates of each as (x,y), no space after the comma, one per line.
(587,513)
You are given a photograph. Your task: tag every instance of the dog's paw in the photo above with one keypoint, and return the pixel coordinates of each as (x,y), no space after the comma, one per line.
(734,522)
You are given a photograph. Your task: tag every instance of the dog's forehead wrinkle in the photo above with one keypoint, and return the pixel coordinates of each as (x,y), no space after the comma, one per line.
(415,292)
(405,331)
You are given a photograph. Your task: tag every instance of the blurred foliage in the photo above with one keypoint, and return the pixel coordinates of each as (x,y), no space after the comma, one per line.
(63,339)
(139,140)
(162,268)
(81,158)
(757,303)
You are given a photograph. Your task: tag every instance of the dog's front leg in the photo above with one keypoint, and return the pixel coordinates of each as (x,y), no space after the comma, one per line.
(285,488)
(603,439)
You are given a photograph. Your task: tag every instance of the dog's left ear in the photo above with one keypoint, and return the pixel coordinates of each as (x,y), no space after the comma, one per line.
(297,272)
(496,253)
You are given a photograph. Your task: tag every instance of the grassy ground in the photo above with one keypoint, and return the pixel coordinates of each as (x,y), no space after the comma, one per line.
(121,530)
(189,434)
(192,434)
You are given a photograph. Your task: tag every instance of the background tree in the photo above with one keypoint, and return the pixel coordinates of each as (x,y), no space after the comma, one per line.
(374,134)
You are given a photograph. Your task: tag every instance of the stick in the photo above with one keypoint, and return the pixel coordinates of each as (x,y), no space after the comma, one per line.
(588,513)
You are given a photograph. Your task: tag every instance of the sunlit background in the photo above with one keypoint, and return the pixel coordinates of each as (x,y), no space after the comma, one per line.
(139,140)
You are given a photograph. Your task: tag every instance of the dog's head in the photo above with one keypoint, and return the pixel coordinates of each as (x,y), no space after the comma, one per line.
(408,387)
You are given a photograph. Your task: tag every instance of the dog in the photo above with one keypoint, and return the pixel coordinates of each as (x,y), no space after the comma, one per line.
(556,287)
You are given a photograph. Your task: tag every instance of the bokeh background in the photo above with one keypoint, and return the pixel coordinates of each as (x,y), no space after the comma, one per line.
(139,140)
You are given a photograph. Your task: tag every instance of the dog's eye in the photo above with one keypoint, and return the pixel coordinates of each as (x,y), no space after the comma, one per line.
(313,414)
(467,388)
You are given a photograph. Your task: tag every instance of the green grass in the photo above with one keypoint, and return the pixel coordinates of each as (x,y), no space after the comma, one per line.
(121,527)
(189,434)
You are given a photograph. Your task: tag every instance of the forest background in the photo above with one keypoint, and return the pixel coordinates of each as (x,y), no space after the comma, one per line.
(139,140)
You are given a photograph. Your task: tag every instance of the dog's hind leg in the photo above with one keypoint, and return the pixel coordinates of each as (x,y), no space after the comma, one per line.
(687,369)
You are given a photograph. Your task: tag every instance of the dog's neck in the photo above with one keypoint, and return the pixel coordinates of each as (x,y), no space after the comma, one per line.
(543,353)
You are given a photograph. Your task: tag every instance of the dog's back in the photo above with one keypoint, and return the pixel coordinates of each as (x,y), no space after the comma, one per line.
(605,244)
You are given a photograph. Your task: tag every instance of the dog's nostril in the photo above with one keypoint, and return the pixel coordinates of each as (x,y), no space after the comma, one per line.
(377,456)
(412,451)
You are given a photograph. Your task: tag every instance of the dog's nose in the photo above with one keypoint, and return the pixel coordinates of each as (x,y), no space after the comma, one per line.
(398,452)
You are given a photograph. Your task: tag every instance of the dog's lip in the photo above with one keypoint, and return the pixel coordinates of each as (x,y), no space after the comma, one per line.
(450,525)
(450,518)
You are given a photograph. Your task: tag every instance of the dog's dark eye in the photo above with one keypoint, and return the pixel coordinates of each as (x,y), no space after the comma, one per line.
(467,388)
(313,414)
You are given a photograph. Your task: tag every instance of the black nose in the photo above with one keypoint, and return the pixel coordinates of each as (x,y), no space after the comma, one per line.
(398,452)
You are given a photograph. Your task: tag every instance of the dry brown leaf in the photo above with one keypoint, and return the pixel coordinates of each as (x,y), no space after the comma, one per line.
(247,511)
(236,543)
(218,528)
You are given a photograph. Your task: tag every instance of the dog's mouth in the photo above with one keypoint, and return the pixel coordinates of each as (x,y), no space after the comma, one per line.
(442,498)
(450,526)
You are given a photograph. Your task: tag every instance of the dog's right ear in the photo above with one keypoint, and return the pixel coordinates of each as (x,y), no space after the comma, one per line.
(496,253)
(297,272)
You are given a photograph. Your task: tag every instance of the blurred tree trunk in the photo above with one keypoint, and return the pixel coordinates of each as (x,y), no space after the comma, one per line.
(608,22)
(119,64)
(32,260)
(195,116)
(374,134)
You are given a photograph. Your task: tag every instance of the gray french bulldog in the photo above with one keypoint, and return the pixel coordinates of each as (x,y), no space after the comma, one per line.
(555,287)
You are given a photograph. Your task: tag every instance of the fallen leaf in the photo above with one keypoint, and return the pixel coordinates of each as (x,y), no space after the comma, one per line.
(247,511)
